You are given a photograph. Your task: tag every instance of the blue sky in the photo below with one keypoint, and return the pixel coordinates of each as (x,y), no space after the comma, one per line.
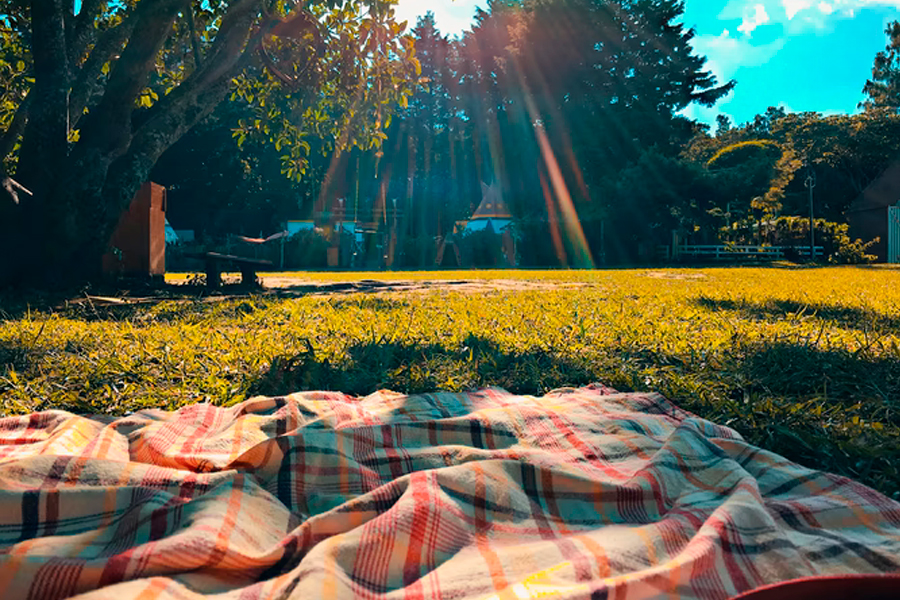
(801,54)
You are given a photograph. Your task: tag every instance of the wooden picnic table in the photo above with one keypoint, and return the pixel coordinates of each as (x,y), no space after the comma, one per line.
(214,261)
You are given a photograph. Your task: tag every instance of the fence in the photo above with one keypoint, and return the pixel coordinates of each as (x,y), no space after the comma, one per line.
(727,252)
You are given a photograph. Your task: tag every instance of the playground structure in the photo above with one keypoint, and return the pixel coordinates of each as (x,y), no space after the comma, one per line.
(383,236)
(492,217)
(364,241)
(373,240)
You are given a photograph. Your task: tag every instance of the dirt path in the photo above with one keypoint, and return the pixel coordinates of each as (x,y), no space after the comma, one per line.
(286,286)
(290,286)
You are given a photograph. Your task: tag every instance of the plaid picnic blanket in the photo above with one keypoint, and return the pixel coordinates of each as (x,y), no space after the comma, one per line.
(579,494)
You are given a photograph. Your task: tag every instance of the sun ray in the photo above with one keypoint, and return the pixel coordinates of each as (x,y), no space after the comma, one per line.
(571,220)
(552,215)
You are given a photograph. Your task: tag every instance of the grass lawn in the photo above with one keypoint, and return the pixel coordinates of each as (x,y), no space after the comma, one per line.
(805,362)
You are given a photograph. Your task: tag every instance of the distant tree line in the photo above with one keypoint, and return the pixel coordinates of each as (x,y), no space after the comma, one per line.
(549,100)
(573,108)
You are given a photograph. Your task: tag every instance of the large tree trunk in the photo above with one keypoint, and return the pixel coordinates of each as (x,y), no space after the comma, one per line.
(44,143)
(45,136)
(58,238)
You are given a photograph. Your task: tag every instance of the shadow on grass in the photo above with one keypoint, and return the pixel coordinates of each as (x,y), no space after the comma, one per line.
(13,356)
(412,367)
(833,410)
(112,303)
(798,370)
(843,316)
(827,409)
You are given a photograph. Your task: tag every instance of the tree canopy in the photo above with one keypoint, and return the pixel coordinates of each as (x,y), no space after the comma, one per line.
(572,110)
(100,89)
(549,100)
(883,89)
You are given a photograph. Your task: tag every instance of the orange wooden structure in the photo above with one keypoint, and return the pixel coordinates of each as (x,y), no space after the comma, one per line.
(138,245)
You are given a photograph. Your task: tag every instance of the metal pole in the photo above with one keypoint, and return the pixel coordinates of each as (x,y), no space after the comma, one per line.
(340,229)
(811,184)
(812,227)
(393,242)
(729,226)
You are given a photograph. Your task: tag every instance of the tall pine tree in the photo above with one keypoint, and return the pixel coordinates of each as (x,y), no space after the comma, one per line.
(883,89)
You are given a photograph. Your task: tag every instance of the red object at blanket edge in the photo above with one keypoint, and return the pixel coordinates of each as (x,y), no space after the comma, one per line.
(830,587)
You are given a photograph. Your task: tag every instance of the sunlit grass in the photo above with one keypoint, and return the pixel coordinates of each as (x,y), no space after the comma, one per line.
(805,362)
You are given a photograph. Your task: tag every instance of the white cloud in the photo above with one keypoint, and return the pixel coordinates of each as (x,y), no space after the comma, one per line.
(814,11)
(857,4)
(705,114)
(754,16)
(798,16)
(792,7)
(786,107)
(727,53)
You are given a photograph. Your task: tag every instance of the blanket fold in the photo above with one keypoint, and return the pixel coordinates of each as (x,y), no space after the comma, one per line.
(582,493)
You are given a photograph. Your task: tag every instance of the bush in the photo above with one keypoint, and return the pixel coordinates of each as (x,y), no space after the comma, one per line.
(534,246)
(303,250)
(417,252)
(854,253)
(481,248)
(793,233)
(742,153)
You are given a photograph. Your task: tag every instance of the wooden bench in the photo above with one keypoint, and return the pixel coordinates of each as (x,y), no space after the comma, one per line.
(213,265)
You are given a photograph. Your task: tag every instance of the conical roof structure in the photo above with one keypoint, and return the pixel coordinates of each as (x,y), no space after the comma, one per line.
(492,205)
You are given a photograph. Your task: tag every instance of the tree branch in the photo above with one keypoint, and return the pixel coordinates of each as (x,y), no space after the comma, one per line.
(205,88)
(15,129)
(230,52)
(186,105)
(7,144)
(108,127)
(88,81)
(231,40)
(12,187)
(195,43)
(81,30)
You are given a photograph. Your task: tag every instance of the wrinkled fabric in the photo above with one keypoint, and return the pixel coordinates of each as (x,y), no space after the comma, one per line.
(583,493)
